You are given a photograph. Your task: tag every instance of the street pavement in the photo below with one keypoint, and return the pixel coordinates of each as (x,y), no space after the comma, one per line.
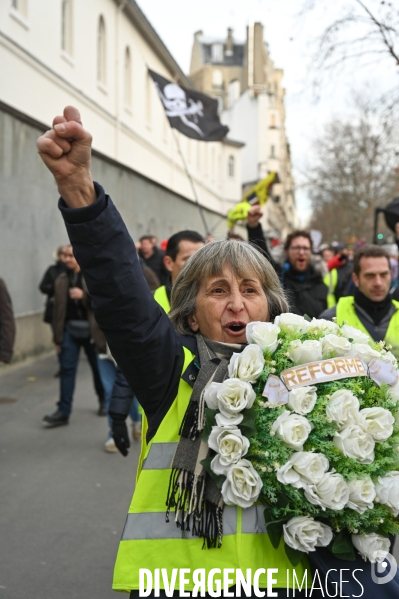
(63,500)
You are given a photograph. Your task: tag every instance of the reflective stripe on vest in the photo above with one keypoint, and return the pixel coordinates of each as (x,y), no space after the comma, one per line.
(160,456)
(152,525)
(161,297)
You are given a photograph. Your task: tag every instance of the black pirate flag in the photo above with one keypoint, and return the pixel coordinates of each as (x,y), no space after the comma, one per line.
(191,113)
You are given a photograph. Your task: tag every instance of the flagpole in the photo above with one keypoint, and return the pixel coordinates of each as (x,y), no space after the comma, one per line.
(201,210)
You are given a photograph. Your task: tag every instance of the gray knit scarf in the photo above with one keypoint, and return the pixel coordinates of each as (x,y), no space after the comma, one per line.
(192,492)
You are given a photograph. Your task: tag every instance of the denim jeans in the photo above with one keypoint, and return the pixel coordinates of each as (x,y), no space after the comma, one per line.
(69,358)
(107,370)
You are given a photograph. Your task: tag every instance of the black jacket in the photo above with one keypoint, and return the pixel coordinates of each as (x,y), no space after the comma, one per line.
(306,294)
(155,262)
(47,287)
(139,333)
(7,324)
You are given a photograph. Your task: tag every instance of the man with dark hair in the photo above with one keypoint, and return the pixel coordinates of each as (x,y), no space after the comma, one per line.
(179,249)
(74,327)
(48,281)
(303,284)
(371,308)
(153,257)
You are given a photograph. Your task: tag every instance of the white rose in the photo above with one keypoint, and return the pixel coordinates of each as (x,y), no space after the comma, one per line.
(330,492)
(303,467)
(230,397)
(212,401)
(372,547)
(302,399)
(235,395)
(364,352)
(222,420)
(393,391)
(334,346)
(247,365)
(292,322)
(292,429)
(354,442)
(320,324)
(343,407)
(387,489)
(303,353)
(243,484)
(361,494)
(354,334)
(264,334)
(230,445)
(305,534)
(378,422)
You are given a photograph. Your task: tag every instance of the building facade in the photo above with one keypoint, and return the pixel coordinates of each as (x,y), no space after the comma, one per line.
(93,54)
(249,89)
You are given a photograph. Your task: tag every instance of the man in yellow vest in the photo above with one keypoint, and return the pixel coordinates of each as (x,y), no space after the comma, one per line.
(180,247)
(371,309)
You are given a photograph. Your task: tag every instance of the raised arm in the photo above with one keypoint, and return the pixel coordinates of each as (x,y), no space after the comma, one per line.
(255,233)
(140,335)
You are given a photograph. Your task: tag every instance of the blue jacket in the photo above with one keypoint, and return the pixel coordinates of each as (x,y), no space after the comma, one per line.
(140,335)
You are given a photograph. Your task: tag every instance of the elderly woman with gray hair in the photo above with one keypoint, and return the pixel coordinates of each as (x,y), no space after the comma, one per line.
(177,509)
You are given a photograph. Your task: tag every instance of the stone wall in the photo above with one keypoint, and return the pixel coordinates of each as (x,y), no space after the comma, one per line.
(31,227)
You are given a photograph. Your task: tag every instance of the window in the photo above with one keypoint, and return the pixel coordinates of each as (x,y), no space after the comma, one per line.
(128,78)
(272,121)
(101,52)
(272,151)
(19,5)
(234,92)
(66,26)
(217,52)
(217,78)
(230,167)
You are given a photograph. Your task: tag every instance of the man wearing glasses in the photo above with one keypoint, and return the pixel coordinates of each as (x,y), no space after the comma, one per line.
(303,284)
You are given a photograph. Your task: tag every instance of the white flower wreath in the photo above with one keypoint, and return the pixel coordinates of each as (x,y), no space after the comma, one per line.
(308,425)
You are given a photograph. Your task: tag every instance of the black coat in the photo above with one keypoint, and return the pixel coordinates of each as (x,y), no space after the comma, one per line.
(155,262)
(47,287)
(306,296)
(7,324)
(140,335)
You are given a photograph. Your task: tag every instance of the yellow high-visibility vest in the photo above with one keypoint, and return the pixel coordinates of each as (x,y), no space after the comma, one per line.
(346,313)
(161,297)
(148,541)
(331,280)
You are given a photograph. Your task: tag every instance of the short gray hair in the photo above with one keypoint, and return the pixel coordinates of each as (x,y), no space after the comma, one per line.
(209,261)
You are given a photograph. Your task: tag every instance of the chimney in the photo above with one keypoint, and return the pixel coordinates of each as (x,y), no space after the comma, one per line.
(229,42)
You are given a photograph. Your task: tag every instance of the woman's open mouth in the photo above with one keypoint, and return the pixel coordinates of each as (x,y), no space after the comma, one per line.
(236,328)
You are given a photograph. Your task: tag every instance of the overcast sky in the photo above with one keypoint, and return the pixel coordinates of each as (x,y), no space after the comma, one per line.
(290,38)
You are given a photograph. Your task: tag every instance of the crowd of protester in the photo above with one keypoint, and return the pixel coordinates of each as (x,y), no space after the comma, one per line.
(358,284)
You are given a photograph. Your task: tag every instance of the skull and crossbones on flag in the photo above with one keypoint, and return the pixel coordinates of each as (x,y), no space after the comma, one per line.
(190,112)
